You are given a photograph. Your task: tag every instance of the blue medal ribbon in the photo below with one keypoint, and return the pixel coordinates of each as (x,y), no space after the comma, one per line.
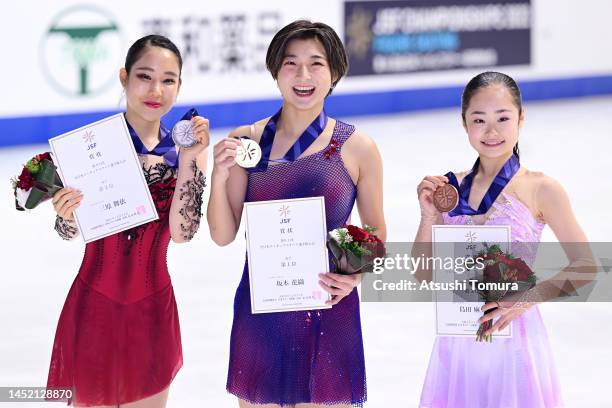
(301,144)
(501,180)
(165,148)
(191,113)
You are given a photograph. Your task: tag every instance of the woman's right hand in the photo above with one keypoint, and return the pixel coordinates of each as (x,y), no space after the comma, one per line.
(224,153)
(425,191)
(65,201)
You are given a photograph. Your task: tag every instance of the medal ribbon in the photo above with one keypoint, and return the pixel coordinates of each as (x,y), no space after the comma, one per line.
(191,113)
(301,144)
(501,180)
(165,148)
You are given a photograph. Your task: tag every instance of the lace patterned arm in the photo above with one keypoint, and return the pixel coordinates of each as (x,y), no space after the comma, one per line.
(186,210)
(66,229)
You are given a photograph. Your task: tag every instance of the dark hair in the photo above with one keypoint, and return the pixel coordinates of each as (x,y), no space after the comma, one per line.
(303,30)
(486,79)
(153,40)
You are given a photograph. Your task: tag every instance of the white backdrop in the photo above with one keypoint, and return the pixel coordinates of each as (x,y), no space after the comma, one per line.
(566,38)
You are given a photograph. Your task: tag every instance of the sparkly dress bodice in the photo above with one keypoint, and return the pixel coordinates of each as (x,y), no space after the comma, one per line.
(525,230)
(314,356)
(319,174)
(130,265)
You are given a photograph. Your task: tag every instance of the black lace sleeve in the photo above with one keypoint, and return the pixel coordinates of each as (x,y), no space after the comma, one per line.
(191,196)
(67,229)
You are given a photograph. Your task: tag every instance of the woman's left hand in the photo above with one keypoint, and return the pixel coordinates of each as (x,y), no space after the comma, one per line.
(339,286)
(200,127)
(507,311)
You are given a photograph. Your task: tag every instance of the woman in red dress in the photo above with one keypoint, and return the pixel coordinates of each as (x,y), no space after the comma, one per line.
(118,339)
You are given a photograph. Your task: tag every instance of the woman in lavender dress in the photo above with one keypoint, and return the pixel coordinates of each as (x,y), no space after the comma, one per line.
(306,358)
(516,372)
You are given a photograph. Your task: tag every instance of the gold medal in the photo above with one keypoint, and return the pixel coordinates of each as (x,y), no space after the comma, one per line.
(248,154)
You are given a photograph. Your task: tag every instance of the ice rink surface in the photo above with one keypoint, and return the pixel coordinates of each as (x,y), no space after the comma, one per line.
(569,140)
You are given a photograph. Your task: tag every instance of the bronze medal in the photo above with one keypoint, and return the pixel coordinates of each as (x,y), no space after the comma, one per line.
(446,198)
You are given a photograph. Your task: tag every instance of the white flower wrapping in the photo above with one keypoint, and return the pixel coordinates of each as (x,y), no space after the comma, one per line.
(341,235)
(22,196)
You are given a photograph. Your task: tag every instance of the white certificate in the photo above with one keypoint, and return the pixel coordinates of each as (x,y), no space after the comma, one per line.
(286,248)
(457,312)
(99,159)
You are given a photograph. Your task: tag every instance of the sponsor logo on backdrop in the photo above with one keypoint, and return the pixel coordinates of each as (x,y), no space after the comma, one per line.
(219,44)
(388,37)
(82,51)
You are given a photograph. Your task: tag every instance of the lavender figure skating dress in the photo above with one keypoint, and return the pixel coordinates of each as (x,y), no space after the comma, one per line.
(306,356)
(517,372)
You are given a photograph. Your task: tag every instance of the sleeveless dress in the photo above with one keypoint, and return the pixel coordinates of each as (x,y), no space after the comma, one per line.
(306,356)
(118,337)
(517,372)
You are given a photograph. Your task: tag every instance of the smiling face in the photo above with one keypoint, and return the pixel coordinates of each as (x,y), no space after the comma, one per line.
(152,85)
(304,78)
(492,121)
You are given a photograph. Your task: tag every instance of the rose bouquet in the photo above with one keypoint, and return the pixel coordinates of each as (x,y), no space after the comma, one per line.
(501,268)
(37,182)
(354,248)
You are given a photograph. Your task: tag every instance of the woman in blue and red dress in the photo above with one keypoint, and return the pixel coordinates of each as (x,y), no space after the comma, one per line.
(305,358)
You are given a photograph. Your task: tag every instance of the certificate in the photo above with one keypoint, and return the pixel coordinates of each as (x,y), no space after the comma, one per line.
(458,311)
(286,249)
(99,159)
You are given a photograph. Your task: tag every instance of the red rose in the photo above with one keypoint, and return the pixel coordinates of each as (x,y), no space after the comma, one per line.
(43,156)
(357,233)
(503,259)
(523,271)
(492,273)
(488,257)
(25,181)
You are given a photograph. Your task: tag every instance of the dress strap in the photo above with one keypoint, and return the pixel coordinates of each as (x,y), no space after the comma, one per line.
(342,132)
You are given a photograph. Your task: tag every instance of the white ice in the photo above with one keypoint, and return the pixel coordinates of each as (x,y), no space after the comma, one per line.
(569,140)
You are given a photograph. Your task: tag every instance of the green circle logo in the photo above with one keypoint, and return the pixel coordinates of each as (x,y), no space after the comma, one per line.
(81,51)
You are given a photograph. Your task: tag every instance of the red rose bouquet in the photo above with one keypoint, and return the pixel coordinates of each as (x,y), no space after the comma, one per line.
(37,182)
(354,248)
(501,268)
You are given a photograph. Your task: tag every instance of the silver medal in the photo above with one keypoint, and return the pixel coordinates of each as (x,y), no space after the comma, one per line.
(182,134)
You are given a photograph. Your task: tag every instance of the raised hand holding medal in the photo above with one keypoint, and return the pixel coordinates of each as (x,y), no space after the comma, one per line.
(254,156)
(182,132)
(191,130)
(445,198)
(248,153)
(449,197)
(428,192)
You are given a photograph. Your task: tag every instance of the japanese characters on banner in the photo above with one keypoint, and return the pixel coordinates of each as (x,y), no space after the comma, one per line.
(68,59)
